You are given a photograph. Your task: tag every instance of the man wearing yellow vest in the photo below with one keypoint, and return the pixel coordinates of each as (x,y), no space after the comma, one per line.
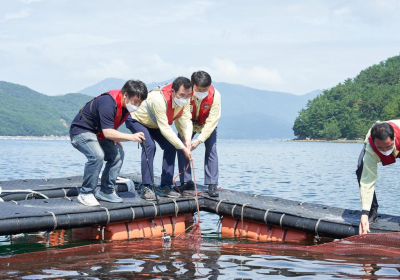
(164,105)
(205,106)
(382,144)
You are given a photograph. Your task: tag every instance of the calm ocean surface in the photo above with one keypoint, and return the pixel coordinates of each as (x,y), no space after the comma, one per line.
(313,172)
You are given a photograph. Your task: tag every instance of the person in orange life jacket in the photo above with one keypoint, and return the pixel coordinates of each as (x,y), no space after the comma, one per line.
(164,106)
(94,133)
(382,144)
(206,112)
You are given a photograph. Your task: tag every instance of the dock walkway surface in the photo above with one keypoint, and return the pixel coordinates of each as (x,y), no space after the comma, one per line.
(25,209)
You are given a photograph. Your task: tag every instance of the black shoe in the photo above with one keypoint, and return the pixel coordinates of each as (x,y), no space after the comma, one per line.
(373,215)
(189,186)
(166,191)
(212,190)
(185,186)
(180,188)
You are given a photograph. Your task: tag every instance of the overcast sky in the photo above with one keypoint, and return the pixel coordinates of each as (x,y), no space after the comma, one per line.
(61,46)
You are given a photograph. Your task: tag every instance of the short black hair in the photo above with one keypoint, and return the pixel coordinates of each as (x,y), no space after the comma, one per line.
(181,81)
(382,131)
(201,78)
(135,88)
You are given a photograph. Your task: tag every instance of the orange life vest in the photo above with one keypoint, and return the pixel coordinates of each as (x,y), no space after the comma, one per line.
(390,158)
(116,94)
(166,90)
(205,107)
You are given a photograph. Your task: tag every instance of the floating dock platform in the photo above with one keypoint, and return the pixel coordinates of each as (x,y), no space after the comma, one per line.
(51,204)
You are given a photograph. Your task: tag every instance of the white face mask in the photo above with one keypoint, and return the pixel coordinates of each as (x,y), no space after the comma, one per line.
(201,95)
(387,153)
(131,108)
(180,102)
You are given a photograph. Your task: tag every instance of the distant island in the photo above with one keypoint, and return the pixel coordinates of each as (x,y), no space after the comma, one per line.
(349,109)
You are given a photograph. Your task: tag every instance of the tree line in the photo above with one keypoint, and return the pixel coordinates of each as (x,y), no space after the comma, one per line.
(349,109)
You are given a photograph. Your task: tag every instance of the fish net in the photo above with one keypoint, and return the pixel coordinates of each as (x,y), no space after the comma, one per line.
(368,248)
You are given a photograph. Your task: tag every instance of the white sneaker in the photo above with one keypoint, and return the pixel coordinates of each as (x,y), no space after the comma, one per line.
(112,197)
(88,199)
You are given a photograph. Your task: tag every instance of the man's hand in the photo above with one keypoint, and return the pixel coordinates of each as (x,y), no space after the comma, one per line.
(187,153)
(364,225)
(188,144)
(195,144)
(138,137)
(119,144)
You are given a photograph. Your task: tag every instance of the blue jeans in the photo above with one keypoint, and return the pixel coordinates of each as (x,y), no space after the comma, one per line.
(211,172)
(154,135)
(97,151)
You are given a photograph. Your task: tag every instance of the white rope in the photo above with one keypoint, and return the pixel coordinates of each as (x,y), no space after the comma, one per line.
(216,208)
(176,207)
(108,215)
(1,200)
(265,216)
(155,209)
(55,219)
(233,209)
(280,222)
(316,226)
(244,205)
(133,213)
(24,191)
(65,195)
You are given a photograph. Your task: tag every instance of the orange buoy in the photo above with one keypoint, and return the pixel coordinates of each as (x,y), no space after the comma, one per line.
(261,232)
(144,228)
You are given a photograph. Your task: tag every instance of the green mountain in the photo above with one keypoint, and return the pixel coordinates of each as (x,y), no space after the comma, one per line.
(247,113)
(349,109)
(25,112)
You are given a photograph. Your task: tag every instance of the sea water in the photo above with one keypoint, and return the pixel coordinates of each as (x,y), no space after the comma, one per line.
(312,172)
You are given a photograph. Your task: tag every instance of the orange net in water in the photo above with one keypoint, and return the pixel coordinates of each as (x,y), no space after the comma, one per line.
(194,231)
(378,246)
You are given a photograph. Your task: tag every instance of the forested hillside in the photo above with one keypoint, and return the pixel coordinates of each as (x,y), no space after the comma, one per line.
(349,109)
(25,112)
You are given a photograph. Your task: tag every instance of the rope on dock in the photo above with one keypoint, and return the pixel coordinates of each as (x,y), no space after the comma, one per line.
(266,215)
(216,208)
(55,219)
(133,213)
(155,209)
(176,207)
(108,214)
(65,195)
(280,221)
(244,205)
(316,229)
(233,209)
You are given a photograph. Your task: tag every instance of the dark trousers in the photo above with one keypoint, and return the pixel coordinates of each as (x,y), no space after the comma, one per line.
(152,136)
(359,171)
(211,172)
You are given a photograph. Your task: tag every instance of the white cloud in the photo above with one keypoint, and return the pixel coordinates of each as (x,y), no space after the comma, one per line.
(4,35)
(19,15)
(114,68)
(317,13)
(31,1)
(255,76)
(182,12)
